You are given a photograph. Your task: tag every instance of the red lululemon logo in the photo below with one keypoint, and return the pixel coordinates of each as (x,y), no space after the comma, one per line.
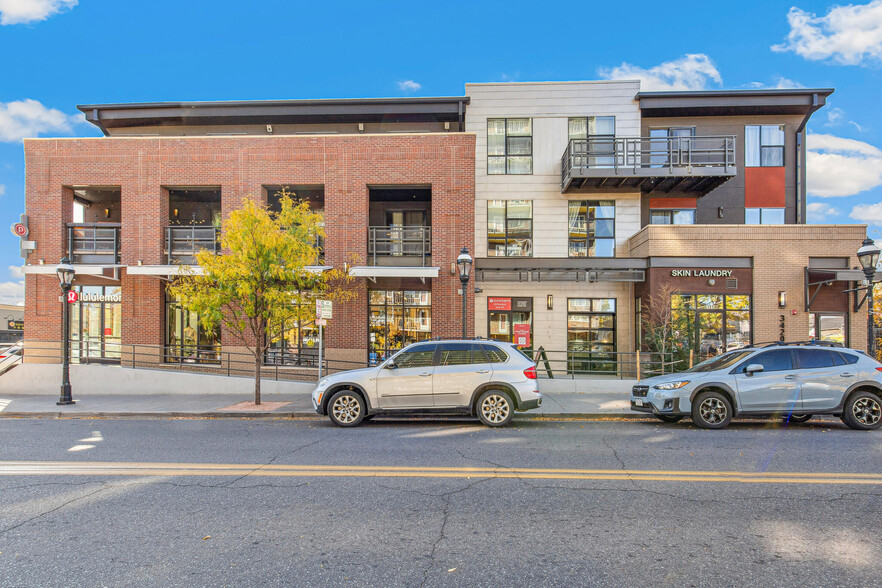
(72,296)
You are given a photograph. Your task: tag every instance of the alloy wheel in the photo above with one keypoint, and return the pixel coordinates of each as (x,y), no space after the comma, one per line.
(867,411)
(346,409)
(713,411)
(495,408)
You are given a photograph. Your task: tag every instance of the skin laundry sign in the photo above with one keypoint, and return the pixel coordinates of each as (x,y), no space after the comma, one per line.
(701,273)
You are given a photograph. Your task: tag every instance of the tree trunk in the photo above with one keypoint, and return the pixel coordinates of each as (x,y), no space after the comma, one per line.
(257,366)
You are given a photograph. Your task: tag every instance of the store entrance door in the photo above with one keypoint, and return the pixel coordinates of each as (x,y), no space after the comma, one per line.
(95,325)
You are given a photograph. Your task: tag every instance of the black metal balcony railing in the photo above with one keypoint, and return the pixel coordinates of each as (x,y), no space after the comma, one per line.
(612,162)
(94,243)
(390,242)
(182,243)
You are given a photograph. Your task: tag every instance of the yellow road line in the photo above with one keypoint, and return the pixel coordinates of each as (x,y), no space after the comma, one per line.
(73,468)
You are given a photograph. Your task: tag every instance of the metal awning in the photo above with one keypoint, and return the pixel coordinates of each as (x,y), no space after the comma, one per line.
(83,270)
(372,272)
(819,277)
(520,269)
(194,270)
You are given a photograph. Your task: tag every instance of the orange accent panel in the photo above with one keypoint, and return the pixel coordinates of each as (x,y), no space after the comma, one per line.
(672,202)
(764,187)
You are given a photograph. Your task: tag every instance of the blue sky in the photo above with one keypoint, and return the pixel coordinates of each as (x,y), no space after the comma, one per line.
(60,53)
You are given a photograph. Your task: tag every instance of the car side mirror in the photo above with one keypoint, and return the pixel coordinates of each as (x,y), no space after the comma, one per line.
(390,366)
(753,368)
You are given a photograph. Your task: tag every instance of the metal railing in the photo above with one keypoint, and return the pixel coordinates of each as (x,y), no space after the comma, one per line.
(96,243)
(182,243)
(632,154)
(400,242)
(617,364)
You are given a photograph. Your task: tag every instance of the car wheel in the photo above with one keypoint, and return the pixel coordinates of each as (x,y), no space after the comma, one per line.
(346,409)
(669,418)
(863,411)
(797,418)
(495,408)
(711,410)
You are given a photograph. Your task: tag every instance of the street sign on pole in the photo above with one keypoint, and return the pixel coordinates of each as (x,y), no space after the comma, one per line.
(323,309)
(321,322)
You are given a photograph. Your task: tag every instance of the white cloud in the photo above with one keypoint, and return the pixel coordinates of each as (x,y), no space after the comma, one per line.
(848,35)
(837,166)
(409,86)
(694,71)
(29,118)
(857,126)
(834,117)
(16,272)
(12,292)
(26,11)
(820,212)
(2,189)
(782,83)
(868,213)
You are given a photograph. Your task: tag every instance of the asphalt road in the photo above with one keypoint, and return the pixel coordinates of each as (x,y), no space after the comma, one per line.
(412,503)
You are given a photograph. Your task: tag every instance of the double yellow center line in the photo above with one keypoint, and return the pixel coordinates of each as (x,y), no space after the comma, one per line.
(82,468)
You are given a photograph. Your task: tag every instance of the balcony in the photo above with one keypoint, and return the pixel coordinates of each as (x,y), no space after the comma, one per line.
(400,246)
(658,165)
(182,243)
(93,243)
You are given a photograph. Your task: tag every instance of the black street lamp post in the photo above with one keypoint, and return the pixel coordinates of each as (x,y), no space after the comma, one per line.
(464,262)
(868,255)
(65,272)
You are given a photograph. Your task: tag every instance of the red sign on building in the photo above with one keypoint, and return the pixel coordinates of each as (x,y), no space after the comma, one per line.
(521,335)
(498,303)
(72,296)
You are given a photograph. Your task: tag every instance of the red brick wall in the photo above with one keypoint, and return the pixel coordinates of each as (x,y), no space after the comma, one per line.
(345,165)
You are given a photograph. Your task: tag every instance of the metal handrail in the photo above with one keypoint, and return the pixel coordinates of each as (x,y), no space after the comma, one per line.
(182,243)
(400,242)
(621,364)
(93,242)
(624,155)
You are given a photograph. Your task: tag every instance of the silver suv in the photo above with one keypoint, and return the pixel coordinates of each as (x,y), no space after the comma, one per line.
(791,380)
(483,378)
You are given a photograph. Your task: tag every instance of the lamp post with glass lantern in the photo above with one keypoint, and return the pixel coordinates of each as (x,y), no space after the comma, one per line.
(65,272)
(464,262)
(868,255)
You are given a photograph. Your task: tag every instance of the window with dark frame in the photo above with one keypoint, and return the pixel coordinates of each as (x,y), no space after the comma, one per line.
(509,146)
(600,135)
(296,343)
(764,216)
(186,340)
(763,145)
(684,216)
(592,228)
(396,319)
(509,228)
(591,335)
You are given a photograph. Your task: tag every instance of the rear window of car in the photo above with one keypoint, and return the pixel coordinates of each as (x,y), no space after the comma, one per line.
(494,353)
(847,357)
(520,352)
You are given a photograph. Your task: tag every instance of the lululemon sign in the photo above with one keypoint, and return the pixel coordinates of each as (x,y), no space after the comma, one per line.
(72,297)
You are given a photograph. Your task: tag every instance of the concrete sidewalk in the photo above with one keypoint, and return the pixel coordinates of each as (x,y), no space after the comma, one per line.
(297,404)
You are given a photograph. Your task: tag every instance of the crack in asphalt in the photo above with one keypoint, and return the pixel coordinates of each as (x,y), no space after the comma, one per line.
(104,486)
(260,467)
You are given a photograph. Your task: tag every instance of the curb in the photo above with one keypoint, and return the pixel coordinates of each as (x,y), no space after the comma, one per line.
(291,415)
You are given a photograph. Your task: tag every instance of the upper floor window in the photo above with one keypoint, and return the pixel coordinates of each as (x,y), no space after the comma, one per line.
(510,228)
(764,216)
(672,217)
(509,146)
(600,131)
(592,228)
(764,145)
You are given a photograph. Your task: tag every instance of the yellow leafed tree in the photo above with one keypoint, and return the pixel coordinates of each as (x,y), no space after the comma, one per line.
(264,277)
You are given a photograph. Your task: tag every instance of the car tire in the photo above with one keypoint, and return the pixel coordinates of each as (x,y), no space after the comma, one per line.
(669,418)
(863,411)
(495,408)
(797,418)
(711,410)
(346,408)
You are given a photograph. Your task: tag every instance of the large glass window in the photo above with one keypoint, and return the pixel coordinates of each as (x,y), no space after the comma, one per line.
(764,145)
(711,324)
(186,340)
(510,228)
(827,327)
(96,324)
(509,146)
(764,216)
(296,344)
(592,228)
(671,146)
(511,320)
(600,131)
(397,319)
(672,217)
(591,335)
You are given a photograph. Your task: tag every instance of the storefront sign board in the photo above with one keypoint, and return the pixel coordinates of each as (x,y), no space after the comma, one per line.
(522,335)
(494,303)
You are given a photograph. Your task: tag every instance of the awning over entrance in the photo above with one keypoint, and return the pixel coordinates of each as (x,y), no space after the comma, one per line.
(373,272)
(83,270)
(525,269)
(816,279)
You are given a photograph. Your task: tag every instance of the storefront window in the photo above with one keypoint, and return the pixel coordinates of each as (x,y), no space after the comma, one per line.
(710,324)
(397,319)
(827,327)
(296,344)
(96,324)
(511,320)
(591,335)
(186,340)
(592,228)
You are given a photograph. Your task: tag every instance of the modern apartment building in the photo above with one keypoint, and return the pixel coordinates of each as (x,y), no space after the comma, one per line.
(393,177)
(591,198)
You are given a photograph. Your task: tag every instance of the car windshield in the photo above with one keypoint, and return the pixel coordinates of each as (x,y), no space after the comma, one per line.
(722,362)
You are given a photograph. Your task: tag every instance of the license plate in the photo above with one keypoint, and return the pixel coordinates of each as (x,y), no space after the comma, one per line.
(638,402)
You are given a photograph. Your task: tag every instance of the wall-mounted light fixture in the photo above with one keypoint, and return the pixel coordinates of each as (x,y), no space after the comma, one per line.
(782,299)
(106,213)
(720,212)
(360,127)
(269,128)
(549,302)
(176,213)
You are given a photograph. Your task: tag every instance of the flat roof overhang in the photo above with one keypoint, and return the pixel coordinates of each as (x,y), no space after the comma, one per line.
(372,272)
(194,270)
(800,101)
(554,269)
(432,109)
(696,181)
